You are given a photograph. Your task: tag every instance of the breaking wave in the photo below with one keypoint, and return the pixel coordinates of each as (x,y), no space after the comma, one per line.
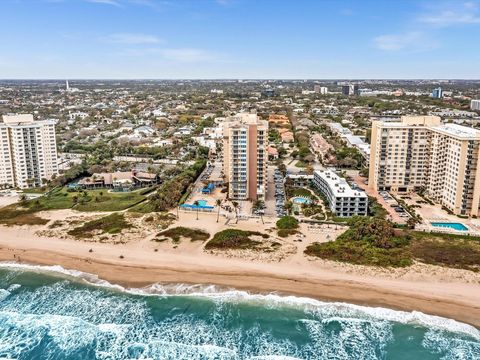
(70,314)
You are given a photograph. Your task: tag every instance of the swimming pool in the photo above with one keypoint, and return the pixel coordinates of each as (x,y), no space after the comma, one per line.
(454,226)
(301,200)
(202,205)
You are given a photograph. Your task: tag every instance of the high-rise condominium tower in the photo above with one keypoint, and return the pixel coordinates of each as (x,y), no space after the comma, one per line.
(475,105)
(28,151)
(245,141)
(420,152)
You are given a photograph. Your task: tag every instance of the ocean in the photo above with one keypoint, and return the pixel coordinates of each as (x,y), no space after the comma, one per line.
(52,313)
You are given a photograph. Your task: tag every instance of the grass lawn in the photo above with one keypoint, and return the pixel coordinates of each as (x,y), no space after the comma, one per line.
(110,224)
(303,193)
(38,190)
(301,164)
(234,239)
(91,200)
(88,200)
(178,232)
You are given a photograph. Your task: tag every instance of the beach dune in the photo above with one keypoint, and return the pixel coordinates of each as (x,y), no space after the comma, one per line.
(449,293)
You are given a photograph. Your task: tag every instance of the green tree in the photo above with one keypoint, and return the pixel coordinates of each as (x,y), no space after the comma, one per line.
(259,205)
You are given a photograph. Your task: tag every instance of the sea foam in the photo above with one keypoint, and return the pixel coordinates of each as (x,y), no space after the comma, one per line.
(327,310)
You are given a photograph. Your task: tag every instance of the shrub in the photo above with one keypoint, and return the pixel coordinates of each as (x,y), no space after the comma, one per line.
(287,222)
(177,232)
(234,239)
(286,232)
(368,241)
(111,224)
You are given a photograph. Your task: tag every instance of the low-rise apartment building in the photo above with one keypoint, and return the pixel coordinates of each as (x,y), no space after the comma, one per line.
(344,201)
(421,153)
(245,143)
(28,151)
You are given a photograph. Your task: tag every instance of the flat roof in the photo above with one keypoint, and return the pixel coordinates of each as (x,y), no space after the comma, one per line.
(458,131)
(339,185)
(17,119)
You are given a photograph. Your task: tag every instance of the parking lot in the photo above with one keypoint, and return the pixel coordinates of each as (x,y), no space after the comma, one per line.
(385,201)
(393,204)
(278,180)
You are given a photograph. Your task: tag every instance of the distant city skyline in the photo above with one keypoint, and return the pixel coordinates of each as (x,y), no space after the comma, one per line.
(229,39)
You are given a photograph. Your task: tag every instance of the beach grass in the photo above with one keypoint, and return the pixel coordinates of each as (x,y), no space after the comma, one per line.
(144,207)
(235,239)
(110,224)
(179,232)
(374,242)
(286,232)
(456,252)
(12,215)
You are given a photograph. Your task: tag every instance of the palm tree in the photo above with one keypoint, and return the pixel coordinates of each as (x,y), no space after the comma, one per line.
(197,204)
(288,206)
(23,198)
(259,205)
(218,202)
(235,206)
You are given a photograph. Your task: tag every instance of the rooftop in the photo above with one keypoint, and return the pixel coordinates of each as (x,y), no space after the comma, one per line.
(338,185)
(459,131)
(454,130)
(17,119)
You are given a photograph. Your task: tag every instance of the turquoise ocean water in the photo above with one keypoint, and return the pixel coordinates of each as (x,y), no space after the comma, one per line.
(51,313)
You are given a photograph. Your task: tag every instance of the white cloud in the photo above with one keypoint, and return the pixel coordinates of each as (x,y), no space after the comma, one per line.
(183,55)
(131,38)
(457,14)
(412,41)
(105,2)
(424,29)
(188,55)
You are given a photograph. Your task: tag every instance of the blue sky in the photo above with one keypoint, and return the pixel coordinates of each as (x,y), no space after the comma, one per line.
(239,39)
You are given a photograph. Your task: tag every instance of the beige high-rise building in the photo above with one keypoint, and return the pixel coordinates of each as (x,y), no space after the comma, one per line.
(28,151)
(420,152)
(245,142)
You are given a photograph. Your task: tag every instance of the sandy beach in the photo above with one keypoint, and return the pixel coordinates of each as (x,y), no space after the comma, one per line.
(430,289)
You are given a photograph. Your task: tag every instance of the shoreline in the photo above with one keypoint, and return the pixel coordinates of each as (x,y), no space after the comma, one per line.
(135,260)
(128,273)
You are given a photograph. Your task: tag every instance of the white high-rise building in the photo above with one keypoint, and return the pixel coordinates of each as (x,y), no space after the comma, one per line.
(320,89)
(245,142)
(28,151)
(475,105)
(421,153)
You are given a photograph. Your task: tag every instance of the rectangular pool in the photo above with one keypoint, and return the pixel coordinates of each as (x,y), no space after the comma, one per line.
(454,226)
